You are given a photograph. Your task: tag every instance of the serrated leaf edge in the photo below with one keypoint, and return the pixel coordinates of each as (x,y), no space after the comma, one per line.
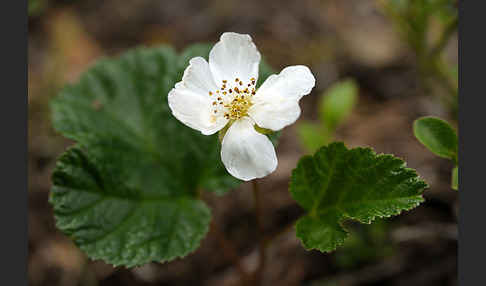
(343,218)
(94,257)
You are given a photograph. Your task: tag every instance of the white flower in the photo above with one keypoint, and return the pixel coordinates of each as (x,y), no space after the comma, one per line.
(223,91)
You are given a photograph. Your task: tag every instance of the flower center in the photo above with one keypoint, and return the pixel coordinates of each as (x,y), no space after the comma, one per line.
(233,99)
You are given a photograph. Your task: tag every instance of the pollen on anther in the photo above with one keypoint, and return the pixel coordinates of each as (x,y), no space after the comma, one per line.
(214,103)
(237,79)
(252,79)
(224,92)
(241,83)
(224,81)
(230,91)
(210,93)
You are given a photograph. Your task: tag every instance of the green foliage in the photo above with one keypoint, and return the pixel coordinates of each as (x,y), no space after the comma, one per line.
(423,10)
(334,108)
(337,103)
(311,136)
(455,178)
(339,183)
(441,139)
(122,224)
(413,20)
(127,193)
(365,244)
(437,135)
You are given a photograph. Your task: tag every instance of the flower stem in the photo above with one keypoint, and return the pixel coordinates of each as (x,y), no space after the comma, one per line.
(262,245)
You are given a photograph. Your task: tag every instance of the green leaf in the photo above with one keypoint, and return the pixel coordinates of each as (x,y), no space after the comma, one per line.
(337,184)
(311,137)
(121,224)
(125,100)
(337,103)
(455,178)
(437,135)
(128,192)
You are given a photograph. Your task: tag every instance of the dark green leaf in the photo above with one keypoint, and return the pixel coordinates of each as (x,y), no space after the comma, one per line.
(122,224)
(337,103)
(135,165)
(437,135)
(337,184)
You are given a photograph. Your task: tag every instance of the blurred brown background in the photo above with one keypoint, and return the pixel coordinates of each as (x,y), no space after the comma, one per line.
(337,39)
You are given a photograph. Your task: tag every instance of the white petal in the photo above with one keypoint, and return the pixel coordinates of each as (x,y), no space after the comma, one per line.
(247,154)
(190,101)
(197,77)
(234,56)
(276,103)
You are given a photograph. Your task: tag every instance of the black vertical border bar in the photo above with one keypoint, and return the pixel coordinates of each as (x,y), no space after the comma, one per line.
(13,124)
(472,158)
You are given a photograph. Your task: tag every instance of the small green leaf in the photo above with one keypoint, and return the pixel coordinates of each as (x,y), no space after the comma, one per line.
(455,178)
(437,135)
(311,137)
(128,192)
(337,103)
(337,184)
